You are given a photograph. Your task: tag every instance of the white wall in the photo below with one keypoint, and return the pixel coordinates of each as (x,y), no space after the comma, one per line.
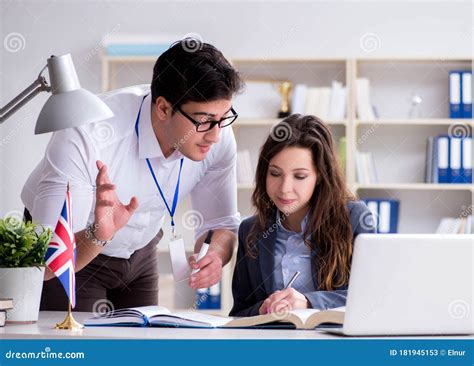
(239,28)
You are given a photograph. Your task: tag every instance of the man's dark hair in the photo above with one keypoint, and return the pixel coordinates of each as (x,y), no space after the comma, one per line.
(193,71)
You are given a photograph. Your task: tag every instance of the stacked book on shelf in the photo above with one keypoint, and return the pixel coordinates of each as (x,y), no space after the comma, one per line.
(117,44)
(460,94)
(245,173)
(208,298)
(5,304)
(385,213)
(364,108)
(456,225)
(326,103)
(365,168)
(449,160)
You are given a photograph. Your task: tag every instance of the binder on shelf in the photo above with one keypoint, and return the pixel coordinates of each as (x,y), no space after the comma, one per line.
(455,160)
(455,94)
(374,209)
(215,296)
(201,298)
(442,143)
(429,161)
(466,94)
(386,213)
(466,160)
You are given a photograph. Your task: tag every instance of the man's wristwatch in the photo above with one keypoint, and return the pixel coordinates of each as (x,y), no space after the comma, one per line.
(90,234)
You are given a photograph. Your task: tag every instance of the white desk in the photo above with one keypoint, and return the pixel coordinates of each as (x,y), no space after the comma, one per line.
(48,319)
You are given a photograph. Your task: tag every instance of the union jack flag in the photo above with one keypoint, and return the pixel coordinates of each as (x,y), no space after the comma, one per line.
(60,256)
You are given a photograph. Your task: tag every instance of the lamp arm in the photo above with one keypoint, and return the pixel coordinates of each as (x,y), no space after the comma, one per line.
(38,86)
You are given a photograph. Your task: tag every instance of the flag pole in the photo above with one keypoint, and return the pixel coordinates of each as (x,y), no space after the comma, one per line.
(69,322)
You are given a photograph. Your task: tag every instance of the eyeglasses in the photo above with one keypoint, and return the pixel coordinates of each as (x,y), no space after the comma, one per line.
(206,124)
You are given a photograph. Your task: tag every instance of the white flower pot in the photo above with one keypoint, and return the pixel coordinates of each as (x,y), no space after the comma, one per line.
(24,286)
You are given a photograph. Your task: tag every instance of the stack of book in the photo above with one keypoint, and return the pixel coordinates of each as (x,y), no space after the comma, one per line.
(116,44)
(460,94)
(5,304)
(365,168)
(385,213)
(364,108)
(326,103)
(448,160)
(456,225)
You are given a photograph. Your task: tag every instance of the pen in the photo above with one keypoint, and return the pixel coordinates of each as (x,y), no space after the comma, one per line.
(204,249)
(293,279)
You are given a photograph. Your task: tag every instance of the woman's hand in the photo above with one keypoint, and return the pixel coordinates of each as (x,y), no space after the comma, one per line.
(110,214)
(284,301)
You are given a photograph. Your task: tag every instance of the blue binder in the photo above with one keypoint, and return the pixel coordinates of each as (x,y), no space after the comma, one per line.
(466,160)
(201,298)
(466,94)
(455,94)
(215,296)
(443,147)
(455,160)
(386,215)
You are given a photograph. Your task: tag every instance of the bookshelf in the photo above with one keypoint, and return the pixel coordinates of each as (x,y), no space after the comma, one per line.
(397,142)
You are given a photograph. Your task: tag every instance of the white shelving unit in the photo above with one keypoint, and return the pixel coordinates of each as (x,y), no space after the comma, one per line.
(398,143)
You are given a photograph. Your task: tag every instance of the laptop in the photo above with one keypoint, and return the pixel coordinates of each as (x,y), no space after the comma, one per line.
(410,284)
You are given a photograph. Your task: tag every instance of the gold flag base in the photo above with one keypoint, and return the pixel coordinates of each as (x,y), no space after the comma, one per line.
(69,322)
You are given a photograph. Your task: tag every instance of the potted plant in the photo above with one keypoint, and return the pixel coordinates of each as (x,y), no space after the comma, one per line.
(22,249)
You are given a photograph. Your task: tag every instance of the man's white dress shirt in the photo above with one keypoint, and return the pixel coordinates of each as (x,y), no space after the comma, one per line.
(71,157)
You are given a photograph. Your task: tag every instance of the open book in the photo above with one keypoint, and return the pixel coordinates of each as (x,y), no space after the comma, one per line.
(161,316)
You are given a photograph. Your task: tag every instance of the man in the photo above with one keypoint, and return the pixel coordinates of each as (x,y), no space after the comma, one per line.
(171,140)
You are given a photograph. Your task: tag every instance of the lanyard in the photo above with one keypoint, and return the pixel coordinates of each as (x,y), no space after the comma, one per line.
(176,191)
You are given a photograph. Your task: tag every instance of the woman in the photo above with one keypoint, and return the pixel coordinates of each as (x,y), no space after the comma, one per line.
(306,220)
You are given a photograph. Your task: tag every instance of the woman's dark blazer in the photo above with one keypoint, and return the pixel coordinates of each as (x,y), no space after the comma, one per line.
(253,281)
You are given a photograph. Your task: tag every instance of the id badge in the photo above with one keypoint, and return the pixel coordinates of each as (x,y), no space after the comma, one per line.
(179,262)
